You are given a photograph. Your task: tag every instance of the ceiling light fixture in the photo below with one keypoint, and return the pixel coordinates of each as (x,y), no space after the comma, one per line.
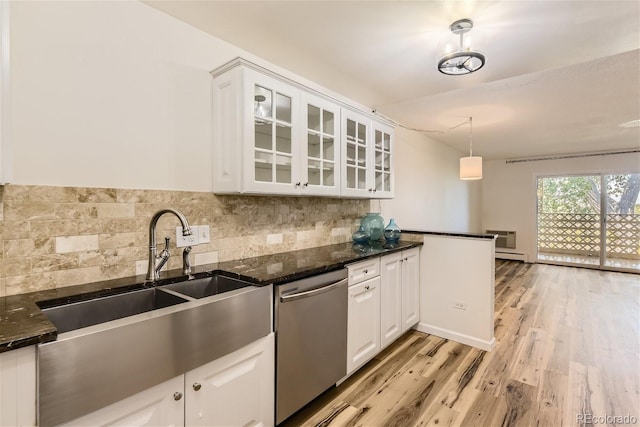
(462,61)
(631,124)
(470,167)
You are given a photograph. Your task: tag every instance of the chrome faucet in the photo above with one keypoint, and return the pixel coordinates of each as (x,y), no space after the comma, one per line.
(153,272)
(186,264)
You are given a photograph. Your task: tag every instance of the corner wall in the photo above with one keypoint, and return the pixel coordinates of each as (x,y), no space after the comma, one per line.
(509,191)
(429,194)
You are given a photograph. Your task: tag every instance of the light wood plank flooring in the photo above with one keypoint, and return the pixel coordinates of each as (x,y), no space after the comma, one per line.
(568,348)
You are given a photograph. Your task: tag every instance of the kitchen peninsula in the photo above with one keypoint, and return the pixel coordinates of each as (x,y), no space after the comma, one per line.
(457,286)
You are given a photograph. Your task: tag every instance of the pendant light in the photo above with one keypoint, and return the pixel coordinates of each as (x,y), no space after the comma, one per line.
(471,167)
(462,61)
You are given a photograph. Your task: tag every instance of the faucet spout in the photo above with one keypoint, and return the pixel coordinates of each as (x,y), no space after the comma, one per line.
(152,272)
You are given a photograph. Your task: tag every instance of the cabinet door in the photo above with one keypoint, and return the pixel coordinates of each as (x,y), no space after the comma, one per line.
(381,174)
(410,288)
(235,390)
(356,154)
(390,298)
(363,330)
(320,148)
(271,109)
(162,405)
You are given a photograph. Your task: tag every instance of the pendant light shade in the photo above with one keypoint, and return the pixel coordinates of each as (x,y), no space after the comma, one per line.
(470,167)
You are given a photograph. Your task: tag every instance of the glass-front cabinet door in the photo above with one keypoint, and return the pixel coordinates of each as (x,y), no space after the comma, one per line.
(356,157)
(271,166)
(382,171)
(320,170)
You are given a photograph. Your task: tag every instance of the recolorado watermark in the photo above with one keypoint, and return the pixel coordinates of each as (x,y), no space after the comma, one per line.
(591,419)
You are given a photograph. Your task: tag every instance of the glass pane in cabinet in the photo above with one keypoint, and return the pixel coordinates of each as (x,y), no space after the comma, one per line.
(387,182)
(283,169)
(362,179)
(327,148)
(283,139)
(263,134)
(387,163)
(327,122)
(314,172)
(313,118)
(351,177)
(379,160)
(378,140)
(263,167)
(262,102)
(362,134)
(351,130)
(327,174)
(351,154)
(362,156)
(387,142)
(313,145)
(379,179)
(283,108)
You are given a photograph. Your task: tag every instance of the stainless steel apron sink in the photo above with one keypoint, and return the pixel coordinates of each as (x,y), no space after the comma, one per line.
(112,347)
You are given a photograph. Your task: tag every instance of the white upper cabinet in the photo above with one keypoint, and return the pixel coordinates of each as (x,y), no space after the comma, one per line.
(272,135)
(320,167)
(367,162)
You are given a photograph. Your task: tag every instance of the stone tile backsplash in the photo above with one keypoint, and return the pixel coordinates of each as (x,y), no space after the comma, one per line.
(61,236)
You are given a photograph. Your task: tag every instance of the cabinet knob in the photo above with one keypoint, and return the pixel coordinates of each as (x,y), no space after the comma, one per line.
(365,271)
(401,260)
(297,184)
(406,259)
(197,386)
(366,288)
(177,395)
(306,184)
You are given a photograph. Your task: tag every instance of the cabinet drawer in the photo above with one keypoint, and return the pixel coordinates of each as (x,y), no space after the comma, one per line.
(363,270)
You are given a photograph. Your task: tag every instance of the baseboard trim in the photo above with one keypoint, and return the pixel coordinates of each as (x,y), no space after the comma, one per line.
(458,337)
(510,255)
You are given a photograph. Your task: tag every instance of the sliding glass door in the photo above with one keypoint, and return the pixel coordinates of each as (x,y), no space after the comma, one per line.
(569,222)
(590,220)
(622,221)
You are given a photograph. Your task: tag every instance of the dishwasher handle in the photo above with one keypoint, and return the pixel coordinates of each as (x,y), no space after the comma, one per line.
(312,292)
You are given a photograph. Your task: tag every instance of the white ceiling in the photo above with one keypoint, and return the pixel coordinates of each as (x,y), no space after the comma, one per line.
(560,75)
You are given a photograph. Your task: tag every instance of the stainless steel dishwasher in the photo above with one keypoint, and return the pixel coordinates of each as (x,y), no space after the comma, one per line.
(311,339)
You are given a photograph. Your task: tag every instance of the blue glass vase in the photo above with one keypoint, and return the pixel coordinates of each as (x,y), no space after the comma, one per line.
(360,236)
(373,226)
(392,232)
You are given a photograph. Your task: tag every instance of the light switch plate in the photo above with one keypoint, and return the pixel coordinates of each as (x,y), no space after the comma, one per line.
(203,234)
(182,241)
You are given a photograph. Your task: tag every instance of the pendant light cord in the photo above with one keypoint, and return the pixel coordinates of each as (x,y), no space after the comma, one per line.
(470,121)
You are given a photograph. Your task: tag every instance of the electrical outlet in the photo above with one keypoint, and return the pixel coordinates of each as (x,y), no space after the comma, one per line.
(203,234)
(182,241)
(460,305)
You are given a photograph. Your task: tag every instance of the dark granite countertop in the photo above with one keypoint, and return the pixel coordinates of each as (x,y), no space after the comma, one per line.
(22,323)
(454,234)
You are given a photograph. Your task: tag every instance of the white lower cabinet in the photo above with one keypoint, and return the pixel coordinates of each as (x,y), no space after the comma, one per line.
(161,405)
(234,390)
(410,288)
(381,308)
(391,320)
(363,330)
(18,387)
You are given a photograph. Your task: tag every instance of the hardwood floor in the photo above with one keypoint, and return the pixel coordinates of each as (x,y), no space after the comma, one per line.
(568,353)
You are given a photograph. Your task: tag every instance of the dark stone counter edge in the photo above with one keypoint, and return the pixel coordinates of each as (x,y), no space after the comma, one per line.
(452,234)
(44,331)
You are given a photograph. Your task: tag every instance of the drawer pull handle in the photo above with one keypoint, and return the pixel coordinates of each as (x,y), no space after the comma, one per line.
(177,395)
(197,386)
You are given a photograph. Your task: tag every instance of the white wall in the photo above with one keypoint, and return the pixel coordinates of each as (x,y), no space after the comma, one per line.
(509,191)
(429,194)
(113,94)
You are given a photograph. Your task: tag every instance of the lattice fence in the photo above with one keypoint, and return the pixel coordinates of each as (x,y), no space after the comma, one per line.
(579,234)
(623,236)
